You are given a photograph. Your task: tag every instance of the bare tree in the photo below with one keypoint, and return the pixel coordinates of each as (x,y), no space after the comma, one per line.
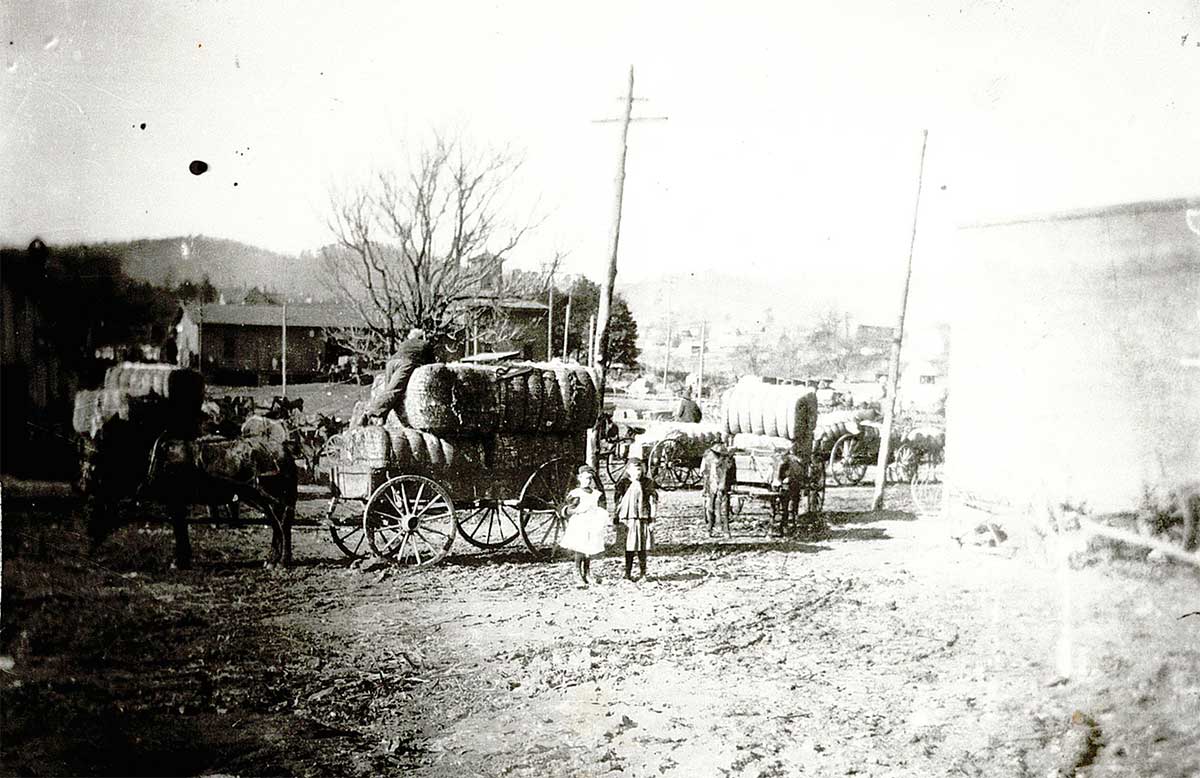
(414,249)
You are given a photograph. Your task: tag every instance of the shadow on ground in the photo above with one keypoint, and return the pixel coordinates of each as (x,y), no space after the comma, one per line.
(868,517)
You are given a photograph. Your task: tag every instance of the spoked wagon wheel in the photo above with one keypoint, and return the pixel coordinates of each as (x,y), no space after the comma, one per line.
(544,506)
(346,530)
(666,465)
(843,464)
(926,484)
(329,449)
(491,524)
(905,464)
(614,464)
(410,520)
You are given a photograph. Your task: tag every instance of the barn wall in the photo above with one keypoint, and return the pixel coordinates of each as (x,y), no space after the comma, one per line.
(257,349)
(1068,372)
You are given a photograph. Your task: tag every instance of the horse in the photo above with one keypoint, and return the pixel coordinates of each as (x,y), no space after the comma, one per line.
(718,471)
(147,461)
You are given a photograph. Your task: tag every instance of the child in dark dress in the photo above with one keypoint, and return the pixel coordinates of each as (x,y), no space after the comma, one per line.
(636,498)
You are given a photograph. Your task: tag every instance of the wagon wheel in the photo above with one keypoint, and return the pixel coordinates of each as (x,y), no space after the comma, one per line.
(666,465)
(843,464)
(544,506)
(331,447)
(926,484)
(614,461)
(491,525)
(906,462)
(348,536)
(410,520)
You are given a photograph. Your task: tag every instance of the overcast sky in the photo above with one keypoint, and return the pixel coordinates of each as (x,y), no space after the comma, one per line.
(793,138)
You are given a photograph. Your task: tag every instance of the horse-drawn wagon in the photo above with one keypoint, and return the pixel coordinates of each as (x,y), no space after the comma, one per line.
(848,442)
(484,452)
(769,431)
(673,450)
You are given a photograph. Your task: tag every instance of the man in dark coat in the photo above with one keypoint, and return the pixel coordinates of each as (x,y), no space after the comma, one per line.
(413,352)
(688,411)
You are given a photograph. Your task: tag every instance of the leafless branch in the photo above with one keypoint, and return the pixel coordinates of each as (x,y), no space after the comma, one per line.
(412,248)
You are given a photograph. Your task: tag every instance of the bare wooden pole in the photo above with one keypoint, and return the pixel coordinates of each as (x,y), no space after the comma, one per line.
(283,361)
(604,309)
(566,325)
(550,324)
(897,338)
(591,349)
(700,373)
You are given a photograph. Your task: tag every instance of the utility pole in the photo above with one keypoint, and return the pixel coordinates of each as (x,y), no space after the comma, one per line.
(700,373)
(200,337)
(566,325)
(283,361)
(604,309)
(591,349)
(550,323)
(897,338)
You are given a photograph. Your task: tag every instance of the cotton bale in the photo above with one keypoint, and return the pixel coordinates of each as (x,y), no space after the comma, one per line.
(369,446)
(95,407)
(418,450)
(1075,367)
(774,410)
(467,399)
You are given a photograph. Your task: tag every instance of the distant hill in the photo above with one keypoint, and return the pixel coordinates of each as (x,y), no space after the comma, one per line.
(226,263)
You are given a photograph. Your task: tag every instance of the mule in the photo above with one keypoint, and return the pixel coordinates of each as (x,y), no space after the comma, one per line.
(144,462)
(789,482)
(718,471)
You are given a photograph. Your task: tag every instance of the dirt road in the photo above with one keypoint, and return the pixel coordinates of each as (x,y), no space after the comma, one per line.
(879,649)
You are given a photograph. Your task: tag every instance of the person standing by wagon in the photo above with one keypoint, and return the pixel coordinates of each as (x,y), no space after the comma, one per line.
(636,498)
(587,524)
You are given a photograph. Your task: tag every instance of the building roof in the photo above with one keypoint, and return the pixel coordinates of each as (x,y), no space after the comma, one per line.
(298,315)
(318,314)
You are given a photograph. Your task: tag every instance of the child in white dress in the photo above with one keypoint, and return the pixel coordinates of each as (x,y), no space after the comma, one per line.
(587,524)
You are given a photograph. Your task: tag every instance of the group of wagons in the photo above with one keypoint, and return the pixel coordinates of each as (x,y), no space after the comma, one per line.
(485,453)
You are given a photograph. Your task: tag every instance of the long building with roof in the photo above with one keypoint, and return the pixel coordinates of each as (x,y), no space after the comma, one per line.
(244,343)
